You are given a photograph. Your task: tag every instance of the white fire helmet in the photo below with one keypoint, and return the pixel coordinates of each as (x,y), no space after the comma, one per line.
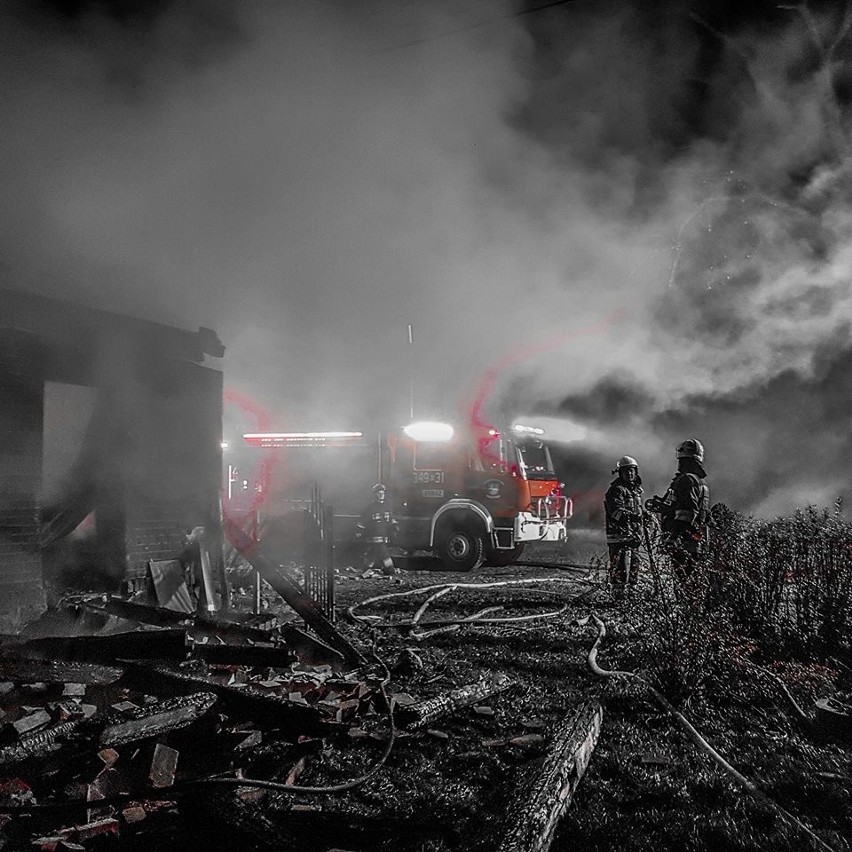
(625,461)
(691,448)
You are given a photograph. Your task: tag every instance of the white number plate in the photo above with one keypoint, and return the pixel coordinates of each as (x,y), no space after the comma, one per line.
(436,476)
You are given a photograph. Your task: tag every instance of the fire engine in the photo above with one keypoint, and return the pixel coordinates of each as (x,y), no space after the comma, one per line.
(473,494)
(468,494)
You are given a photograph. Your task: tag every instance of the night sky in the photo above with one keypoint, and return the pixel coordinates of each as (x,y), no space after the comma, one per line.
(628,220)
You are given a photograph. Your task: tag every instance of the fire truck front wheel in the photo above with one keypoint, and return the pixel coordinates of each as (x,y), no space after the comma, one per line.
(502,558)
(460,549)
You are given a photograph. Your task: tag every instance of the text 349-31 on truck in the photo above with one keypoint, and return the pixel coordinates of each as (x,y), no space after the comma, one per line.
(474,495)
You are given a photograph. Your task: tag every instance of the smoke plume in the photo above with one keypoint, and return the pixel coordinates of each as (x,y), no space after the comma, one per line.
(632,219)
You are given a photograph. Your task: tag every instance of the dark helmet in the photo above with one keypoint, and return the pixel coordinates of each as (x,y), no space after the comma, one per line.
(626,461)
(691,448)
(379,486)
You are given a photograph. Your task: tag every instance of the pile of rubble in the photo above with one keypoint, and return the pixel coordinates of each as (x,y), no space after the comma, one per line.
(107,722)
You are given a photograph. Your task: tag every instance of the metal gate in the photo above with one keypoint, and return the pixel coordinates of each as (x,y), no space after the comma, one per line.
(319,566)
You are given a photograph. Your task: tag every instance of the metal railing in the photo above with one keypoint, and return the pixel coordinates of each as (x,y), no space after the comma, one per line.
(319,564)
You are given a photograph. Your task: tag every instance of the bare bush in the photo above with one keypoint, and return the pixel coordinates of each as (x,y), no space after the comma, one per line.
(765,590)
(788,581)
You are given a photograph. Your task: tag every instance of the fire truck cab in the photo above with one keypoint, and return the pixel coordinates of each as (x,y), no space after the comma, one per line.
(473,495)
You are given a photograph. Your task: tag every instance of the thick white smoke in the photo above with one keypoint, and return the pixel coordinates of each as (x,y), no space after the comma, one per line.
(539,195)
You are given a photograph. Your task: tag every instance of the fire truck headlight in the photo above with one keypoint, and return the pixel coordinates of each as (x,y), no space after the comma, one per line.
(428,430)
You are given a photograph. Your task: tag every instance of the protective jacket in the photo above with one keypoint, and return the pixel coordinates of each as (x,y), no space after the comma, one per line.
(623,509)
(377,523)
(686,505)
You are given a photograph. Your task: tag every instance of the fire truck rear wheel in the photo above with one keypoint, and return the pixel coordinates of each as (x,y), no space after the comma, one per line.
(461,550)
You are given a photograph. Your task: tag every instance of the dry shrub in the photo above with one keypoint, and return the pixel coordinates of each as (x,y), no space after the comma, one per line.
(780,588)
(787,581)
(687,636)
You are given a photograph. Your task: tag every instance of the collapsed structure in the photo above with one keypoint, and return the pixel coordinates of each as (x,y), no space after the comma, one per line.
(110,447)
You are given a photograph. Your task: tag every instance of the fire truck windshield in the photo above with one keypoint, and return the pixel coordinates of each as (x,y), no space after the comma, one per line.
(430,456)
(536,460)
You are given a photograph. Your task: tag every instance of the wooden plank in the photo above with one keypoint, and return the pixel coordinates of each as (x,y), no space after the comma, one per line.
(56,671)
(541,801)
(425,712)
(159,718)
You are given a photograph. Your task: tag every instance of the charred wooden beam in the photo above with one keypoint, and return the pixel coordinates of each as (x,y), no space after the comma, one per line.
(244,699)
(535,813)
(143,723)
(35,670)
(218,625)
(137,644)
(305,606)
(162,617)
(159,616)
(425,712)
(37,744)
(165,643)
(155,719)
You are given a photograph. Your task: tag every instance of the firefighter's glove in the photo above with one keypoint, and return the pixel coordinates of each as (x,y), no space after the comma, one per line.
(654,504)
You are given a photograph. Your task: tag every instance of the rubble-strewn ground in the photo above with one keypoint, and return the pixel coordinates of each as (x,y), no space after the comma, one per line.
(647,786)
(449,786)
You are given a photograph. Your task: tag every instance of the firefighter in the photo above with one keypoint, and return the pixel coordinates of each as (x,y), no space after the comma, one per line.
(623,511)
(685,508)
(376,526)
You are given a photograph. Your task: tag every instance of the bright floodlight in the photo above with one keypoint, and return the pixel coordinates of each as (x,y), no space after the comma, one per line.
(285,436)
(521,429)
(428,430)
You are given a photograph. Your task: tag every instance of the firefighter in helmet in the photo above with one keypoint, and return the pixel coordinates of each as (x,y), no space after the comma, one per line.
(623,511)
(685,509)
(376,526)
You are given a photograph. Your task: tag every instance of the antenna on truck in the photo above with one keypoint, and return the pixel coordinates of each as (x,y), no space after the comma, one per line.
(411,371)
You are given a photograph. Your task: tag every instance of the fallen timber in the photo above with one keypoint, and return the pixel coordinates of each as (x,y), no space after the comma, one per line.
(245,699)
(159,616)
(33,670)
(424,712)
(107,730)
(153,720)
(303,605)
(160,644)
(148,644)
(542,800)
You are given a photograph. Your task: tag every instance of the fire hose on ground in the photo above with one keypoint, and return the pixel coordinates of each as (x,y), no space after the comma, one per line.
(691,732)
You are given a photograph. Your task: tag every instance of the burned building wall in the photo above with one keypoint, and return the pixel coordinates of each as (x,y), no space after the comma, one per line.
(20,474)
(175,482)
(142,463)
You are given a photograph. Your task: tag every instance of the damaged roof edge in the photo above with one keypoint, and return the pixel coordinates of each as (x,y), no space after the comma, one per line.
(63,322)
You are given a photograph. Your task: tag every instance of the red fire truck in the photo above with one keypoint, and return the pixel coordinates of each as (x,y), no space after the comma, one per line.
(468,494)
(475,494)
